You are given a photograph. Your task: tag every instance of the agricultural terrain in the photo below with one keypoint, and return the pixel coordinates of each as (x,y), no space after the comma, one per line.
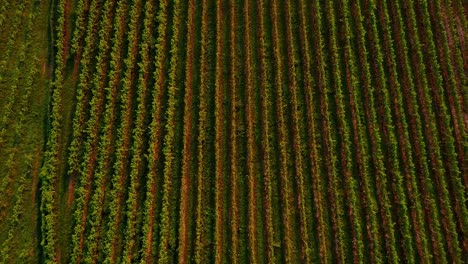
(233,131)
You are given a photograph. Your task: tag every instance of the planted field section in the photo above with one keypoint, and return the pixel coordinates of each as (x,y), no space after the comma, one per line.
(233,131)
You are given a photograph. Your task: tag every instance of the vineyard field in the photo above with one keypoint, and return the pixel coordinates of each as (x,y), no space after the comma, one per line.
(233,131)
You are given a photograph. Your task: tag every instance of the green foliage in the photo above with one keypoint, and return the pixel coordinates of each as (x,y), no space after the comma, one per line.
(80,25)
(268,136)
(155,135)
(88,129)
(232,131)
(95,204)
(138,137)
(119,171)
(297,109)
(48,171)
(83,87)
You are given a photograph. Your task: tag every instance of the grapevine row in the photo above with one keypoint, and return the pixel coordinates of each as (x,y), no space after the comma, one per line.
(18,208)
(314,143)
(82,97)
(96,200)
(16,24)
(253,168)
(151,207)
(82,9)
(298,131)
(172,140)
(285,166)
(434,153)
(359,129)
(12,100)
(48,171)
(221,132)
(238,212)
(378,142)
(90,134)
(395,88)
(388,131)
(415,123)
(112,238)
(330,152)
(11,91)
(269,137)
(446,143)
(138,139)
(186,223)
(456,105)
(204,211)
(3,8)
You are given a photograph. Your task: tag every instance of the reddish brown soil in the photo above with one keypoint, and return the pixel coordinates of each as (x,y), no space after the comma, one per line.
(125,146)
(433,141)
(400,132)
(35,173)
(445,62)
(43,68)
(267,174)
(405,142)
(220,141)
(66,33)
(71,190)
(251,148)
(187,146)
(76,64)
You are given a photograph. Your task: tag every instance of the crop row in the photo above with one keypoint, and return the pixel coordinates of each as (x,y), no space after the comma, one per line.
(188,180)
(79,30)
(255,191)
(90,128)
(96,153)
(108,137)
(113,240)
(152,207)
(82,97)
(433,153)
(17,160)
(262,132)
(12,77)
(172,140)
(15,219)
(12,38)
(449,185)
(384,161)
(314,143)
(238,212)
(13,100)
(205,176)
(138,138)
(453,81)
(269,136)
(48,172)
(286,171)
(221,131)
